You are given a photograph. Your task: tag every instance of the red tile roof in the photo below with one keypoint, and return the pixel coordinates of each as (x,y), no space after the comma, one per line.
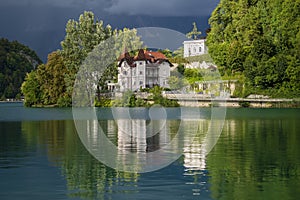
(143,55)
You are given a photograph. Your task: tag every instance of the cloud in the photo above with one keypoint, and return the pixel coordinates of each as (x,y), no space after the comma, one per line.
(127,7)
(163,8)
(40,24)
(58,3)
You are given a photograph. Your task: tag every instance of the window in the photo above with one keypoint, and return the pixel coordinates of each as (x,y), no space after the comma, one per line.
(141,82)
(125,72)
(141,72)
(141,63)
(200,49)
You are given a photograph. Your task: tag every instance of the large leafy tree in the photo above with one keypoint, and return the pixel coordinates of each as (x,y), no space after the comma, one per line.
(81,38)
(259,39)
(31,89)
(122,41)
(54,86)
(52,83)
(46,85)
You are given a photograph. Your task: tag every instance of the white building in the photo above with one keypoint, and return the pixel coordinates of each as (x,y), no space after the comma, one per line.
(145,70)
(194,48)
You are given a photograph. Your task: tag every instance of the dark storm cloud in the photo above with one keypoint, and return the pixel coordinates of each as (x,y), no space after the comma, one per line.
(163,8)
(57,3)
(128,7)
(40,24)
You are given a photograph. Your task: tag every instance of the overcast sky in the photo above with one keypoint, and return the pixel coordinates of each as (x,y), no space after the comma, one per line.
(40,24)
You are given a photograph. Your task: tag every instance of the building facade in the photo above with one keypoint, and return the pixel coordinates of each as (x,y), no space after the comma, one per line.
(194,48)
(145,70)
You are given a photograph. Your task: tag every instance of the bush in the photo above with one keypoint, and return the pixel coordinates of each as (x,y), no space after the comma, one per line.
(64,101)
(159,99)
(103,103)
(244,104)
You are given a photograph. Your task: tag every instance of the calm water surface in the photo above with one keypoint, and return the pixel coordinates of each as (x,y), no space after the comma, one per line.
(256,157)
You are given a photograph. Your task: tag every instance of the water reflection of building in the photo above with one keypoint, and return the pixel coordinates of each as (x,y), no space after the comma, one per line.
(141,136)
(194,151)
(132,135)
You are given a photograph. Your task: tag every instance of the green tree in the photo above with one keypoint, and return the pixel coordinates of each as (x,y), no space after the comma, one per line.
(101,65)
(158,99)
(175,83)
(81,38)
(128,99)
(194,33)
(192,75)
(46,85)
(54,86)
(106,59)
(83,48)
(167,52)
(260,39)
(31,89)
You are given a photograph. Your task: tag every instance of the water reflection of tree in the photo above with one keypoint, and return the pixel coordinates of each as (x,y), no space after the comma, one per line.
(12,145)
(86,177)
(258,159)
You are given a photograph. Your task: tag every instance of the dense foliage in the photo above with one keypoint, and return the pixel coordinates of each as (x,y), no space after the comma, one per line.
(158,99)
(52,83)
(81,38)
(131,99)
(46,85)
(261,40)
(15,61)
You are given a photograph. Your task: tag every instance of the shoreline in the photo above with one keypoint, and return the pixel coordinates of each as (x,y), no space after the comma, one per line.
(208,102)
(15,101)
(241,103)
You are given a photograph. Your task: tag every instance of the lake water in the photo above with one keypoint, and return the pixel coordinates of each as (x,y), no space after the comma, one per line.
(256,157)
